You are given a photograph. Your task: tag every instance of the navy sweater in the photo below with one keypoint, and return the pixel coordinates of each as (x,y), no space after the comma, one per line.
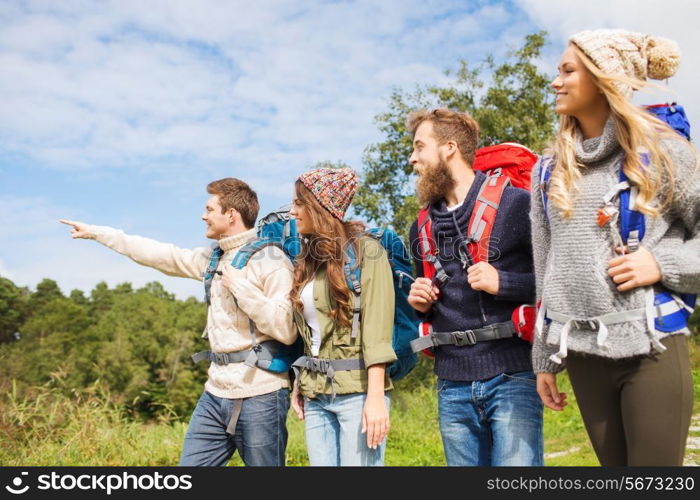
(461,308)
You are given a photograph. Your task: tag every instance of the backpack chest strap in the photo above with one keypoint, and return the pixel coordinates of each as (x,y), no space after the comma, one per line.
(264,351)
(600,324)
(464,337)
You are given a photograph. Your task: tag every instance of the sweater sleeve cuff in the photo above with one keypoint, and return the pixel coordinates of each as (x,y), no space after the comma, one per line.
(669,267)
(515,286)
(426,316)
(546,365)
(379,353)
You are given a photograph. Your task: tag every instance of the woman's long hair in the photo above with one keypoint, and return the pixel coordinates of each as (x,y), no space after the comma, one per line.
(636,131)
(325,246)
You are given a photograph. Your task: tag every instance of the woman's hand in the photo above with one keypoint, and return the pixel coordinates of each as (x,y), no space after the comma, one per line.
(298,401)
(633,270)
(549,393)
(375,420)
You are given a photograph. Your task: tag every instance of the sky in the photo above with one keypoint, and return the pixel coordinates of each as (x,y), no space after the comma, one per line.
(120,112)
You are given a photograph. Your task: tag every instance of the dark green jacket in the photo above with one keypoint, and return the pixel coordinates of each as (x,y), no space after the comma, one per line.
(373,343)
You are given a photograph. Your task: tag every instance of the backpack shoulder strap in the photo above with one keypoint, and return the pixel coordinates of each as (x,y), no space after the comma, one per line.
(632,224)
(484,215)
(432,268)
(216,253)
(351,268)
(240,260)
(246,252)
(545,172)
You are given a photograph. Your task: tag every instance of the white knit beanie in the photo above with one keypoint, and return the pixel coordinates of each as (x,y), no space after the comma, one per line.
(620,52)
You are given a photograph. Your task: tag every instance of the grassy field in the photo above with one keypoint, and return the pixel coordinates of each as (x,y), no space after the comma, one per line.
(46,428)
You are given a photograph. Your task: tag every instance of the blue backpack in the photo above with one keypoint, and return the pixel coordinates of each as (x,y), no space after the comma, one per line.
(673,115)
(405,326)
(275,229)
(673,310)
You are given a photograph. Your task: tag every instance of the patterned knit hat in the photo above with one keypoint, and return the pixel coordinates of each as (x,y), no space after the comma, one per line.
(332,187)
(620,52)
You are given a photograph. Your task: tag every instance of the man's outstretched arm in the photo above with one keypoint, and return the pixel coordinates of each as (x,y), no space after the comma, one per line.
(165,257)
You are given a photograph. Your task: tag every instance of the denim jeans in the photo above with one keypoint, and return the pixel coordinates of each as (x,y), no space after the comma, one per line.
(494,422)
(334,431)
(260,436)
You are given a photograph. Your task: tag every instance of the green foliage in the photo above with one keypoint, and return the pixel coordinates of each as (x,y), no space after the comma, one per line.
(137,343)
(46,291)
(512,103)
(55,425)
(14,306)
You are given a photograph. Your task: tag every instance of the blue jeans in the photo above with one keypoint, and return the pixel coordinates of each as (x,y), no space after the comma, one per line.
(494,422)
(260,436)
(334,431)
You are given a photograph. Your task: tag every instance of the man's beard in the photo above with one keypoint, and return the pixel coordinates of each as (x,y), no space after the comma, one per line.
(434,183)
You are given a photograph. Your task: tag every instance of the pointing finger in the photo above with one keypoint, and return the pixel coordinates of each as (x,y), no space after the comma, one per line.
(68,222)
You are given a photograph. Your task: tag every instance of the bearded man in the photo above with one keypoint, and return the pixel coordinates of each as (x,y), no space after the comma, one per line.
(489,410)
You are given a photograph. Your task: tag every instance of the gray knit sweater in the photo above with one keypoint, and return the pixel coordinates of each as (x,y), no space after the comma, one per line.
(571,255)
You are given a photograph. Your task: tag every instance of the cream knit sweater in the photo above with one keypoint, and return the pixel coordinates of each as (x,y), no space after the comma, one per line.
(262,296)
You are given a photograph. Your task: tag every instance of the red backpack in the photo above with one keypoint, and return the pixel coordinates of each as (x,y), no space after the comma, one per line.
(504,164)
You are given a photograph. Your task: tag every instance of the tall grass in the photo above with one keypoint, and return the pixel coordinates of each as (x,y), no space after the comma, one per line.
(44,426)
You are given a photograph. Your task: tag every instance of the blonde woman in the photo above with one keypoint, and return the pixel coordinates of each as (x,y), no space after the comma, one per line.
(600,282)
(342,391)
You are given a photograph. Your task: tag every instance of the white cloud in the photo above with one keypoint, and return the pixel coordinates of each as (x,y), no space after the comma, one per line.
(172,84)
(183,92)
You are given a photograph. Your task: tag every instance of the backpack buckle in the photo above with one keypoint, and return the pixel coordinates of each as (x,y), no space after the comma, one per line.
(633,241)
(463,251)
(466,337)
(220,358)
(605,214)
(587,324)
(319,365)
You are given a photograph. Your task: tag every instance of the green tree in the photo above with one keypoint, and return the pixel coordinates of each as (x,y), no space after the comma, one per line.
(101,299)
(14,308)
(511,103)
(136,344)
(78,297)
(46,291)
